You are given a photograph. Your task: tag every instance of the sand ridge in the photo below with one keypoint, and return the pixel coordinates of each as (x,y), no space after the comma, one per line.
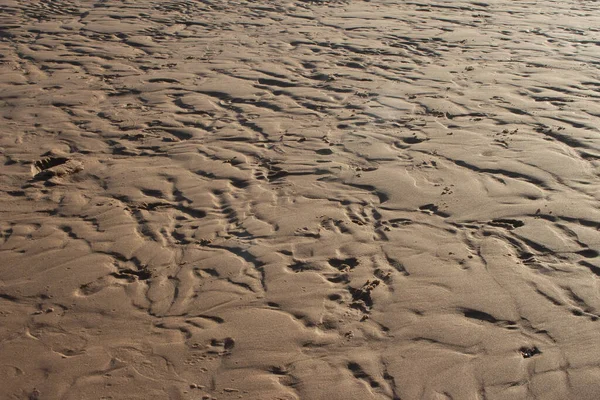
(299,200)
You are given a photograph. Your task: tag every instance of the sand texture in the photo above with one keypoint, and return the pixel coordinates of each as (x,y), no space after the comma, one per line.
(228,199)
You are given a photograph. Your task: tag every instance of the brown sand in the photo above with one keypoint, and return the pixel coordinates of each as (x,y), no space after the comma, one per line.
(353,199)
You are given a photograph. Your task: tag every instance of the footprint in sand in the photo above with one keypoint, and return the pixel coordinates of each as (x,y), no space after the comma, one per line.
(50,167)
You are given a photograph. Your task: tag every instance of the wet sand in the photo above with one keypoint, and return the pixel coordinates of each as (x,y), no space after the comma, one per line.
(299,200)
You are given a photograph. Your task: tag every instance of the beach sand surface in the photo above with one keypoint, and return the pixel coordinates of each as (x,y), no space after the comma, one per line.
(222,199)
